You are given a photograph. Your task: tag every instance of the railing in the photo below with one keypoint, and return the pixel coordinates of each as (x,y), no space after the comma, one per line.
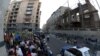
(83,29)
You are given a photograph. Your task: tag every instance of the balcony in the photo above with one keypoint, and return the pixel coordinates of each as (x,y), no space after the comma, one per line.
(11,26)
(12,21)
(29,9)
(27,18)
(27,25)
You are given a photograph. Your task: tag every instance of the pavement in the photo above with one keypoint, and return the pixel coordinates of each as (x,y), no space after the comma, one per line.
(55,45)
(3,51)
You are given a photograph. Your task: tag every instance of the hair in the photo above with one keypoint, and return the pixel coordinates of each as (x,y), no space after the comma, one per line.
(10,53)
(33,50)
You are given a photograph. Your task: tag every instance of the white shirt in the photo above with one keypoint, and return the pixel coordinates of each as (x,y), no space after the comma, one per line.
(34,54)
(22,43)
(27,42)
(32,47)
(19,52)
(12,49)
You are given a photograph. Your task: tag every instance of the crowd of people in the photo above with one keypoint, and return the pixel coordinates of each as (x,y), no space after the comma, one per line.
(36,46)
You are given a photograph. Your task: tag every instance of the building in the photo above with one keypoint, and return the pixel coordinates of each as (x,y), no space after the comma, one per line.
(3,8)
(25,17)
(44,28)
(85,16)
(54,17)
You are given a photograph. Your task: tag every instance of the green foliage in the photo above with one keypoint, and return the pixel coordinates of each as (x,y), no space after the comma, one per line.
(26,34)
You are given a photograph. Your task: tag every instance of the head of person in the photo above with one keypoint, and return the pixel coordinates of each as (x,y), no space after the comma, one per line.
(10,53)
(33,50)
(17,47)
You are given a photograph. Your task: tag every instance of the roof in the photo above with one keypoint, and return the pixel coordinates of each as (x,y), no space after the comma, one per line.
(84,49)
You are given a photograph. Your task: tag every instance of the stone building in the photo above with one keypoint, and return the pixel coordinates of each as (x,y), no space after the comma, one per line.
(85,16)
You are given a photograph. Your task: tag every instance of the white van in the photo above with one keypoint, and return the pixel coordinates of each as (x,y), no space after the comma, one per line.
(84,51)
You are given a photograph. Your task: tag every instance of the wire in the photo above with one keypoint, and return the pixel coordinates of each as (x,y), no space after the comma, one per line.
(97,4)
(79,1)
(68,2)
(93,3)
(64,3)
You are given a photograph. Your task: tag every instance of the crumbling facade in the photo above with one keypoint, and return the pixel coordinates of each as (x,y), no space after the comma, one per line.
(85,16)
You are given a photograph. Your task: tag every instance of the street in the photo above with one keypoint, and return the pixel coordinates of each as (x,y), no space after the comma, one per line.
(55,45)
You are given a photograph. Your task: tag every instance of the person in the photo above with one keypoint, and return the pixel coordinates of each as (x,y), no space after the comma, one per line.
(31,47)
(11,52)
(7,40)
(43,36)
(48,37)
(18,51)
(28,53)
(22,43)
(34,53)
(22,46)
(39,51)
(58,54)
(50,53)
(17,38)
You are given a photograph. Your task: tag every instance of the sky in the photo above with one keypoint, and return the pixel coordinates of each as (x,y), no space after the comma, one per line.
(49,6)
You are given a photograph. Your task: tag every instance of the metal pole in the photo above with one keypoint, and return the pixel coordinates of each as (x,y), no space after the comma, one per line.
(81,13)
(69,13)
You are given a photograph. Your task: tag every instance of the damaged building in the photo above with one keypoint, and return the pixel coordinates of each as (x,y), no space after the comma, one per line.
(85,16)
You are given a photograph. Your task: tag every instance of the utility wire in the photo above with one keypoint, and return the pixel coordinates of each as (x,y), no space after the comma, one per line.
(79,1)
(97,4)
(64,3)
(93,3)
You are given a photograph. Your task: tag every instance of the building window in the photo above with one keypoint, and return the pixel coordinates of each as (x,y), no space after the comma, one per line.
(11,17)
(62,20)
(73,16)
(17,9)
(29,9)
(14,20)
(14,6)
(10,21)
(87,16)
(36,25)
(30,5)
(15,16)
(27,19)
(36,20)
(29,12)
(77,14)
(67,19)
(13,9)
(36,16)
(11,13)
(37,13)
(27,24)
(85,11)
(15,12)
(78,18)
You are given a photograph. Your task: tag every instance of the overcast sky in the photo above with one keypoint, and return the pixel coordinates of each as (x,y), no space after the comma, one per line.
(49,6)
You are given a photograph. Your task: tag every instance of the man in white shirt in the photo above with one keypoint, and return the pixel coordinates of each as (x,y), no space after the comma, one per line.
(34,54)
(19,51)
